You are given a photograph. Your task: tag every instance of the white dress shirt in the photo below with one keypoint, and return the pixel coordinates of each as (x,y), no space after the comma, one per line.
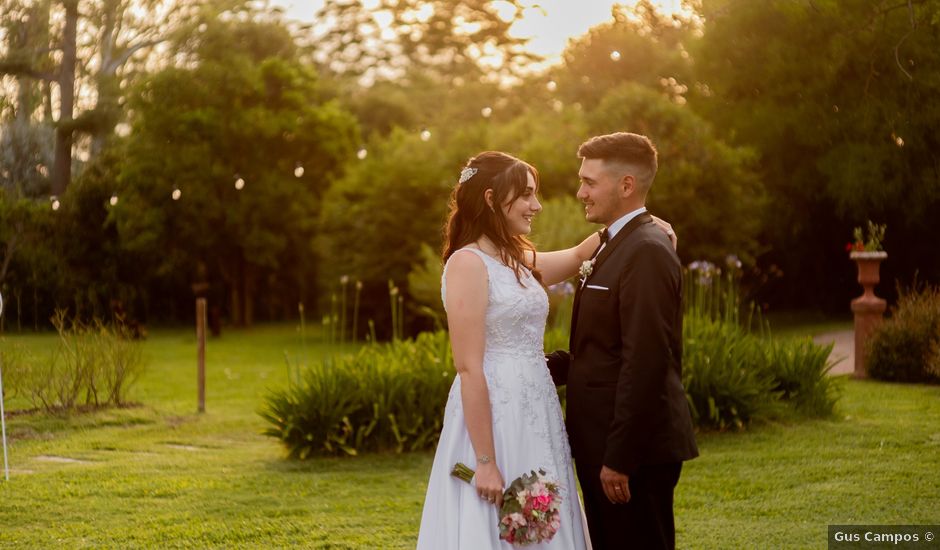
(615,227)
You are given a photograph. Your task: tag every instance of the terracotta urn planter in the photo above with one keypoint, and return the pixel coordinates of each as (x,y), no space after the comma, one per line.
(868,308)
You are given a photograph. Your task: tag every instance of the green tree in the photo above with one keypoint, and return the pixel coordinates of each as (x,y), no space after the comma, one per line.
(247,142)
(706,188)
(547,139)
(639,45)
(98,45)
(28,264)
(837,96)
(377,216)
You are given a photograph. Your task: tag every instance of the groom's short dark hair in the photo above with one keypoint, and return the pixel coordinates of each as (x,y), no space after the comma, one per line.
(623,147)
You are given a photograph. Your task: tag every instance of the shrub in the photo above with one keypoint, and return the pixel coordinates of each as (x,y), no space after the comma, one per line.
(92,365)
(392,396)
(14,364)
(385,397)
(906,347)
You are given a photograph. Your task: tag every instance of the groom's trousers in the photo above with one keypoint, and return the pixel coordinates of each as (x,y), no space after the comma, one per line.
(645,523)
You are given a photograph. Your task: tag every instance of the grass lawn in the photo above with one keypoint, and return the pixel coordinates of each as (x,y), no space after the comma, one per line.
(160,475)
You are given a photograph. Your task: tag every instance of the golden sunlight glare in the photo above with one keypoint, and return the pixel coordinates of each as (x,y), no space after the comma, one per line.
(548,24)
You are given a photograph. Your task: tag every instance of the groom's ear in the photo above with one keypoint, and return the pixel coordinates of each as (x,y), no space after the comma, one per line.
(627,185)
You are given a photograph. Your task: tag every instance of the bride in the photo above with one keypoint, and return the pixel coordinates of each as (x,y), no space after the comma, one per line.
(502,418)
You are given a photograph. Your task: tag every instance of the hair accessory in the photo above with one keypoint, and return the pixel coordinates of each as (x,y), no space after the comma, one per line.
(466,174)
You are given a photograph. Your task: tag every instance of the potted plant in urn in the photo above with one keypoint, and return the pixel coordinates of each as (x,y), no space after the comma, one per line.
(867,252)
(868,308)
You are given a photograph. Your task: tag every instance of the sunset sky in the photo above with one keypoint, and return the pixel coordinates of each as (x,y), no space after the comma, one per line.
(548,23)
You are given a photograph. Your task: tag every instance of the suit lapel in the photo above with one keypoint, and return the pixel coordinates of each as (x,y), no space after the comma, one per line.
(621,236)
(579,288)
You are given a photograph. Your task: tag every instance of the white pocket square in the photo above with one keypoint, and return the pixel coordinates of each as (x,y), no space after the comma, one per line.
(595,287)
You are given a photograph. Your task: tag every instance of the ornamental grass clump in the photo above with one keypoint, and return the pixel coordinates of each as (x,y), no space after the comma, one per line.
(385,397)
(733,370)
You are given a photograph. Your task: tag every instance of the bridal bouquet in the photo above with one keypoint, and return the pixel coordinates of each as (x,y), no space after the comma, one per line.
(530,512)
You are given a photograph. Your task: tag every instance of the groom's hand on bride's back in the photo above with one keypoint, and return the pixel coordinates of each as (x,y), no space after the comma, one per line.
(558,362)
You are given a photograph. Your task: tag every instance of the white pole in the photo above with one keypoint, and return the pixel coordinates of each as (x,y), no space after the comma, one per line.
(3,425)
(3,418)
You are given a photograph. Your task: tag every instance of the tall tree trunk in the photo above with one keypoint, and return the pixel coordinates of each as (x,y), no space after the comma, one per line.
(248,294)
(62,166)
(241,286)
(47,102)
(108,86)
(235,292)
(26,91)
(234,305)
(8,252)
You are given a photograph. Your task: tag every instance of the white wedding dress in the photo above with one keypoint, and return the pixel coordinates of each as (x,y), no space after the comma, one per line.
(528,427)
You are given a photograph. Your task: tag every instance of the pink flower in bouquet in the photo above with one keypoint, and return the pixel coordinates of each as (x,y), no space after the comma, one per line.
(542,502)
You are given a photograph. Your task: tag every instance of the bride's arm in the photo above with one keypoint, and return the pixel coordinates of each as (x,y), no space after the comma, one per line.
(559,265)
(466,298)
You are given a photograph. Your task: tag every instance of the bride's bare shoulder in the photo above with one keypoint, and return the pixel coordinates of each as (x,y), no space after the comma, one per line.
(465,262)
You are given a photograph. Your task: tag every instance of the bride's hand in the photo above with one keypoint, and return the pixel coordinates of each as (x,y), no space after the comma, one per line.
(667,229)
(489,482)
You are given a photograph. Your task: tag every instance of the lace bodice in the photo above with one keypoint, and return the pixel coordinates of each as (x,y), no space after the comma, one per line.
(515,314)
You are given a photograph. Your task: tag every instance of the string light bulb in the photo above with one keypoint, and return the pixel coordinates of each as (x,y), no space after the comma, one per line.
(176,194)
(114,200)
(239,183)
(298,171)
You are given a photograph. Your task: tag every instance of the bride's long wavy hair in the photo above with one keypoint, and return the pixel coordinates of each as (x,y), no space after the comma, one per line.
(471,217)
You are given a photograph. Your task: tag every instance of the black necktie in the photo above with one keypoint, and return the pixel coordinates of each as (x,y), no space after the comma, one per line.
(605,236)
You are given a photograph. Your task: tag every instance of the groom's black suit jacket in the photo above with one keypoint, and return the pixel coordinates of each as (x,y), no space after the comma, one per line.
(626,405)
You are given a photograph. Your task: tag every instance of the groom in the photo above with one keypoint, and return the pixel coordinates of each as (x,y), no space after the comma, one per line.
(627,416)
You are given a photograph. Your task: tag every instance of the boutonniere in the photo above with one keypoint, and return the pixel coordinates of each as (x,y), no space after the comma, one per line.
(587,267)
